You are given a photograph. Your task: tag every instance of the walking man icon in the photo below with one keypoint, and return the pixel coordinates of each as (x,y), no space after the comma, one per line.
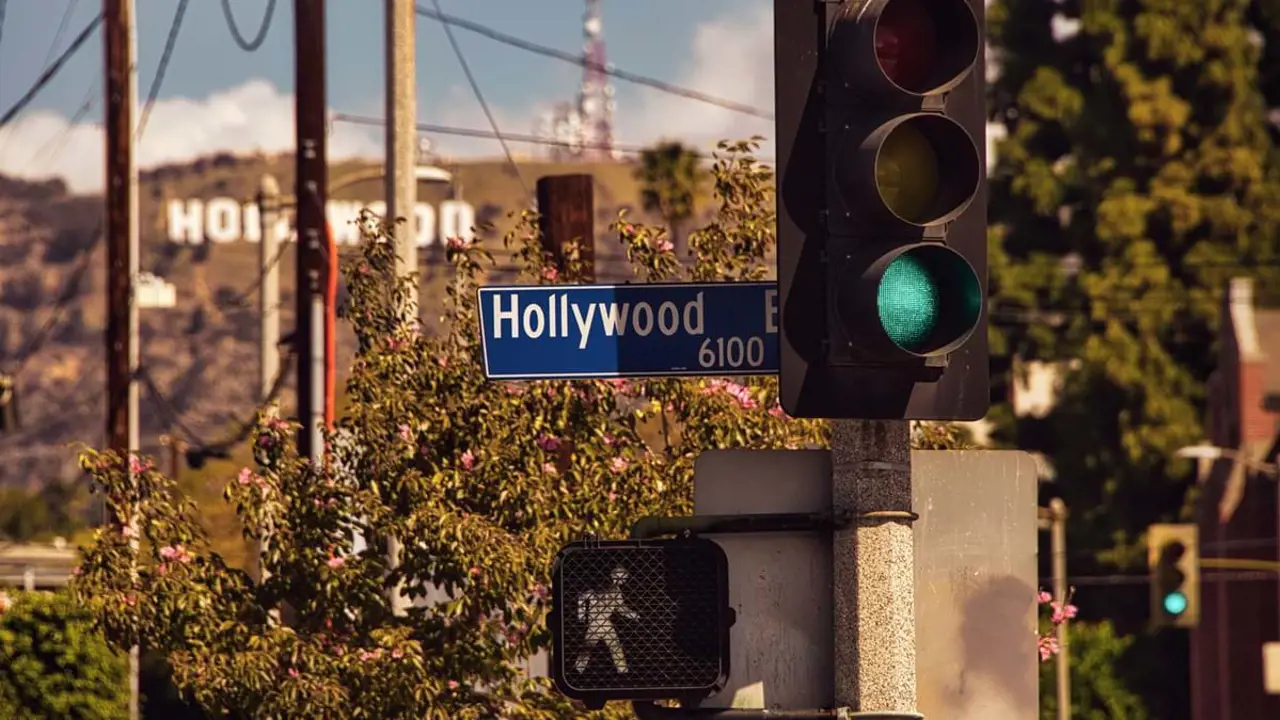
(597,608)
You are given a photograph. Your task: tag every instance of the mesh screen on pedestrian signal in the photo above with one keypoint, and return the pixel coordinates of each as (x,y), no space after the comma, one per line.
(637,620)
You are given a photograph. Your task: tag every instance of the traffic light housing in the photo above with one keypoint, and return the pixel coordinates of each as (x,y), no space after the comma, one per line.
(1173,557)
(882,209)
(640,620)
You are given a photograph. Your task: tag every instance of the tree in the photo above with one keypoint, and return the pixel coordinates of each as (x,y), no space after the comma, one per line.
(1098,692)
(671,177)
(489,479)
(1134,181)
(53,664)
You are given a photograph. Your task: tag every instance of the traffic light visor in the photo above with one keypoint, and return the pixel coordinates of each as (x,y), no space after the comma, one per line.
(925,46)
(927,169)
(928,300)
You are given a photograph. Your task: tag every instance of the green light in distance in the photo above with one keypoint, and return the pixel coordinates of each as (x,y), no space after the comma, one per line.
(1175,603)
(909,302)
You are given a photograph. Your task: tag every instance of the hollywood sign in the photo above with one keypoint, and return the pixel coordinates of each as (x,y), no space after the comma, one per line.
(226,220)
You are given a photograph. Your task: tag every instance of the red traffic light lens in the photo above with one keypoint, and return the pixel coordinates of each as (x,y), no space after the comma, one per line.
(906,40)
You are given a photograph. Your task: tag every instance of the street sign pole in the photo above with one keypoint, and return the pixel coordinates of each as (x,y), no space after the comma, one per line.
(873,567)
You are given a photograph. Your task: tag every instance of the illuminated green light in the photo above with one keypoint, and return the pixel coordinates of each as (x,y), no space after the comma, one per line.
(1175,603)
(909,303)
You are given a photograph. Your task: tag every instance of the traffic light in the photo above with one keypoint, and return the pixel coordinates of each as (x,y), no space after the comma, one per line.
(640,620)
(882,209)
(1173,556)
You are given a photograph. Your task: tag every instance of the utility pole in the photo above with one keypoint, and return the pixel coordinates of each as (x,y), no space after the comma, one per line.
(268,315)
(1058,546)
(401,180)
(311,193)
(119,44)
(566,213)
(874,568)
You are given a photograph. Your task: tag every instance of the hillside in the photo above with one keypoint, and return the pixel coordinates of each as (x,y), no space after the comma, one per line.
(203,353)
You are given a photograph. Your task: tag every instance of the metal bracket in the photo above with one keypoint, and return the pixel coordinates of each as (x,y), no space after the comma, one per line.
(654,526)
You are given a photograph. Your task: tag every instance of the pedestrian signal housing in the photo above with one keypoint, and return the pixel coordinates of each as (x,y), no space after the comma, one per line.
(640,620)
(882,214)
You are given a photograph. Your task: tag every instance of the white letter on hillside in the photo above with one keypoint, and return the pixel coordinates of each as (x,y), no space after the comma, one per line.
(252,222)
(457,219)
(222,220)
(186,221)
(425,228)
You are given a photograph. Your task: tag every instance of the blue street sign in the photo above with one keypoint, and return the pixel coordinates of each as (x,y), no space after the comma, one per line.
(584,331)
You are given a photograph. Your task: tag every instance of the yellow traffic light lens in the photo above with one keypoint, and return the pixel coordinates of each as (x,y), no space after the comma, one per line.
(907,174)
(906,40)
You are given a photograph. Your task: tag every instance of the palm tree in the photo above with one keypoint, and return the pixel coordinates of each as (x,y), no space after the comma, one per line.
(670,176)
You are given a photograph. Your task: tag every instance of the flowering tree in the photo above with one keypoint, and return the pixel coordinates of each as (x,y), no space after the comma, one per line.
(482,482)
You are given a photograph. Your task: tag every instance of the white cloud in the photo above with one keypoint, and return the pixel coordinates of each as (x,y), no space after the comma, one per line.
(730,58)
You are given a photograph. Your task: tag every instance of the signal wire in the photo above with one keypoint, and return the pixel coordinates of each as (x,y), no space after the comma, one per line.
(62,28)
(475,88)
(256,42)
(477,28)
(162,67)
(50,72)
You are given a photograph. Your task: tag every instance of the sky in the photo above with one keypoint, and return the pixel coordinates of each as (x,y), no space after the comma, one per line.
(217,97)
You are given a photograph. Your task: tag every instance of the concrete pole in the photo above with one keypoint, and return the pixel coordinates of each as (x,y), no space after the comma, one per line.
(268,315)
(874,569)
(401,180)
(1058,547)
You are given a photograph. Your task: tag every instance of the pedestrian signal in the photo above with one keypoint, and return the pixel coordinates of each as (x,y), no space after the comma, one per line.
(640,620)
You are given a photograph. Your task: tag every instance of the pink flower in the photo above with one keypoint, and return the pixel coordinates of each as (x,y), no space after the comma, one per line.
(776,411)
(405,433)
(395,344)
(293,672)
(137,465)
(664,246)
(457,243)
(628,228)
(335,561)
(127,531)
(513,389)
(475,572)
(549,469)
(366,656)
(549,443)
(618,384)
(442,361)
(397,653)
(608,439)
(5,602)
(618,465)
(1063,613)
(453,684)
(468,460)
(1044,597)
(266,441)
(245,477)
(613,497)
(540,591)
(1048,646)
(175,553)
(550,274)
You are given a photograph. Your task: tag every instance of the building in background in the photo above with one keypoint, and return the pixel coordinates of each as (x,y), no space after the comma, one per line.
(1238,514)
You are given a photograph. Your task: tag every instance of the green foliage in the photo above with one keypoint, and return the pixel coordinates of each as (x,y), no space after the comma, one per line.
(54,665)
(671,177)
(55,509)
(483,482)
(1097,690)
(1137,153)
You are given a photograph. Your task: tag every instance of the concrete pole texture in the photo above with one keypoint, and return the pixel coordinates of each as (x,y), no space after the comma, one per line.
(874,573)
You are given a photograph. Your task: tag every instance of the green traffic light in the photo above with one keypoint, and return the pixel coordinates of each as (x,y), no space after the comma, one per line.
(928,300)
(1175,603)
(908,302)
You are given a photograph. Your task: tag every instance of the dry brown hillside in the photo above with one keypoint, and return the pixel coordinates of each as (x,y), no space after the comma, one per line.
(202,354)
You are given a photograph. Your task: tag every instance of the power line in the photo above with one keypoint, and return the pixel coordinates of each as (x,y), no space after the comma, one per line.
(580,61)
(256,42)
(46,154)
(475,88)
(49,73)
(4,6)
(509,137)
(163,66)
(62,29)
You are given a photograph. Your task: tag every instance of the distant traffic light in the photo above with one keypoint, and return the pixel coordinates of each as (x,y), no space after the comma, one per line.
(882,214)
(640,620)
(1173,556)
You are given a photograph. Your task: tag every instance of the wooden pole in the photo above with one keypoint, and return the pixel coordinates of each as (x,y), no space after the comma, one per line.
(566,208)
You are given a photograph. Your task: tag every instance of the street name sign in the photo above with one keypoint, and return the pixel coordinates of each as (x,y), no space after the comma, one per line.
(640,620)
(542,332)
